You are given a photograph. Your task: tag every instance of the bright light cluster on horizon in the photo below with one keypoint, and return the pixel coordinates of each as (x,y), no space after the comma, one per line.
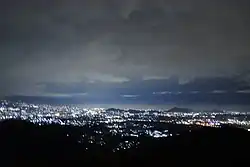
(118,119)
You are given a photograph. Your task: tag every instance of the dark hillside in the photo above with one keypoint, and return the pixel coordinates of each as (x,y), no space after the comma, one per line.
(27,144)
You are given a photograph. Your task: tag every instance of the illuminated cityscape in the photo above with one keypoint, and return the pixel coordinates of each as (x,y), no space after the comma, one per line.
(113,130)
(125,122)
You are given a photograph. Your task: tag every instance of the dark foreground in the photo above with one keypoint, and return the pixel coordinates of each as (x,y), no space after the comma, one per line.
(26,144)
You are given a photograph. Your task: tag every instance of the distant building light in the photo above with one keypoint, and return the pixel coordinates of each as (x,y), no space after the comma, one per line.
(248,130)
(57,114)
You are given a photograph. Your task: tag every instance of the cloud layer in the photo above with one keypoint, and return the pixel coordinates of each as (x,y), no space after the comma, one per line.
(106,42)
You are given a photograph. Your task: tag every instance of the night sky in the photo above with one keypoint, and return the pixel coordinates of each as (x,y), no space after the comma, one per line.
(133,51)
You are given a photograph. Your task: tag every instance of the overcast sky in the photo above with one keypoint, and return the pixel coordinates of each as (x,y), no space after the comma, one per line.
(79,47)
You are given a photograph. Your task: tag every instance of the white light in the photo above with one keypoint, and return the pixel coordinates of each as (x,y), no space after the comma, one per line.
(57,114)
(248,130)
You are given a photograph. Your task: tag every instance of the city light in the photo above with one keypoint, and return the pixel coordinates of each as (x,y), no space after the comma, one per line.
(127,122)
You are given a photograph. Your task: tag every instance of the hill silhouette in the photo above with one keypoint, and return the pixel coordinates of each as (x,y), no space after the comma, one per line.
(27,144)
(180,110)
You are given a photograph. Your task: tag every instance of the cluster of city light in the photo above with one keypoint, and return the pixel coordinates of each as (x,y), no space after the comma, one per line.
(126,145)
(77,116)
(158,134)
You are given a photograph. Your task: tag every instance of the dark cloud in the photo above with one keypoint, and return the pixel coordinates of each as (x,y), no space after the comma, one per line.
(145,92)
(102,41)
(205,90)
(143,87)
